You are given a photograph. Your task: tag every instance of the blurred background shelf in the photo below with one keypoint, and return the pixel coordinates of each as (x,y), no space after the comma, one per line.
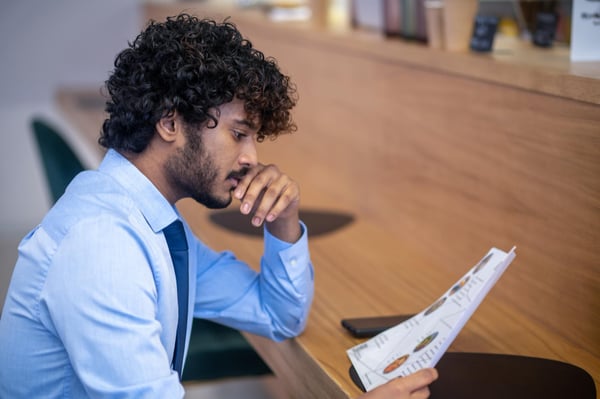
(513,61)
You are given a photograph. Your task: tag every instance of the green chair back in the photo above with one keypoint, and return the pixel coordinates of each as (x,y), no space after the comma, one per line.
(60,162)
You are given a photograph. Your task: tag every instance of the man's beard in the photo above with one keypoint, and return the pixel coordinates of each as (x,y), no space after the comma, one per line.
(193,178)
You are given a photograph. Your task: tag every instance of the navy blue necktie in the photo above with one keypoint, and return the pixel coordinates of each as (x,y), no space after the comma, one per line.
(178,249)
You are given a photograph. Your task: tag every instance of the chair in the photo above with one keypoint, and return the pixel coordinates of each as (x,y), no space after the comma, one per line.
(60,162)
(215,351)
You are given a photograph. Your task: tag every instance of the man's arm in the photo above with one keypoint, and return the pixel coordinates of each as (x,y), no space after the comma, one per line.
(274,303)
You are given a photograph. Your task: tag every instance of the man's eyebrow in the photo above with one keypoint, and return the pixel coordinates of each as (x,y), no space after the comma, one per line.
(245,122)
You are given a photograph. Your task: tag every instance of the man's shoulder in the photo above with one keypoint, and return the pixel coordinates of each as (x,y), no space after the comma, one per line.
(91,196)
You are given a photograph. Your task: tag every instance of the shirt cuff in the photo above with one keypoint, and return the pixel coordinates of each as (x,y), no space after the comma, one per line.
(294,256)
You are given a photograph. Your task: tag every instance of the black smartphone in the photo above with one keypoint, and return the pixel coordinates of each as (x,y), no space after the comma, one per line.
(364,327)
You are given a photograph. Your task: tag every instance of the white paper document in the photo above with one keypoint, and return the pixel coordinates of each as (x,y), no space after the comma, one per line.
(421,341)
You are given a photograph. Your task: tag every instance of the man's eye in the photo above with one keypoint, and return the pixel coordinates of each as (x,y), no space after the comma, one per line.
(238,135)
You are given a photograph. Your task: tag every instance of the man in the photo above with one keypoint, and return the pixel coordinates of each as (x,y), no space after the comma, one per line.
(100,303)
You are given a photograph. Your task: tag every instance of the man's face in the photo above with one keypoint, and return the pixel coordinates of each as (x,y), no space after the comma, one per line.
(213,160)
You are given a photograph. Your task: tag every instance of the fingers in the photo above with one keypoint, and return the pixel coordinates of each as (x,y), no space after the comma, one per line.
(413,386)
(266,193)
(419,379)
(422,393)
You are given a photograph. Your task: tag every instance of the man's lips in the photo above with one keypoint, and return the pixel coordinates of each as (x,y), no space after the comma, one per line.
(234,182)
(235,177)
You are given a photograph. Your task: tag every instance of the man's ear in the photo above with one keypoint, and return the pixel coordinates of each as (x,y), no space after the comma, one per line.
(168,127)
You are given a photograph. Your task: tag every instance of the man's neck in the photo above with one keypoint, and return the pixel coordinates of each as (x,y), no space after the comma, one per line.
(151,163)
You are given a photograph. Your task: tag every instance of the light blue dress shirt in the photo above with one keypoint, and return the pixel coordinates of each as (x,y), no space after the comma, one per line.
(91,309)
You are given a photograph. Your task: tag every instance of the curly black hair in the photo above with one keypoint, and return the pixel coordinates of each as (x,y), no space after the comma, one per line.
(191,65)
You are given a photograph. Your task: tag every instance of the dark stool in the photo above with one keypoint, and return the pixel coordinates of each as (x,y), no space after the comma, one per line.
(495,376)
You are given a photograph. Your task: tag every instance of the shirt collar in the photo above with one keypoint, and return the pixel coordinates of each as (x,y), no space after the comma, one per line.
(157,211)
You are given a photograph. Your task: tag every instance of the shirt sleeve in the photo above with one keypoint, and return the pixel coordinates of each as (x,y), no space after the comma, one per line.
(274,302)
(100,299)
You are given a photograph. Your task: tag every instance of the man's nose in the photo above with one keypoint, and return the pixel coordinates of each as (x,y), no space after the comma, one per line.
(249,155)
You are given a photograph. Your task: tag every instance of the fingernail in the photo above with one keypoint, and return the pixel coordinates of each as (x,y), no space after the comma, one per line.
(270,217)
(238,194)
(256,221)
(245,208)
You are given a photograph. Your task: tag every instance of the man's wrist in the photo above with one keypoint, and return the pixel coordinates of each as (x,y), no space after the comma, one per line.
(288,229)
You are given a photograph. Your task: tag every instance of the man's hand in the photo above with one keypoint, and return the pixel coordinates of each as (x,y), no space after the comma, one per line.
(413,386)
(272,197)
